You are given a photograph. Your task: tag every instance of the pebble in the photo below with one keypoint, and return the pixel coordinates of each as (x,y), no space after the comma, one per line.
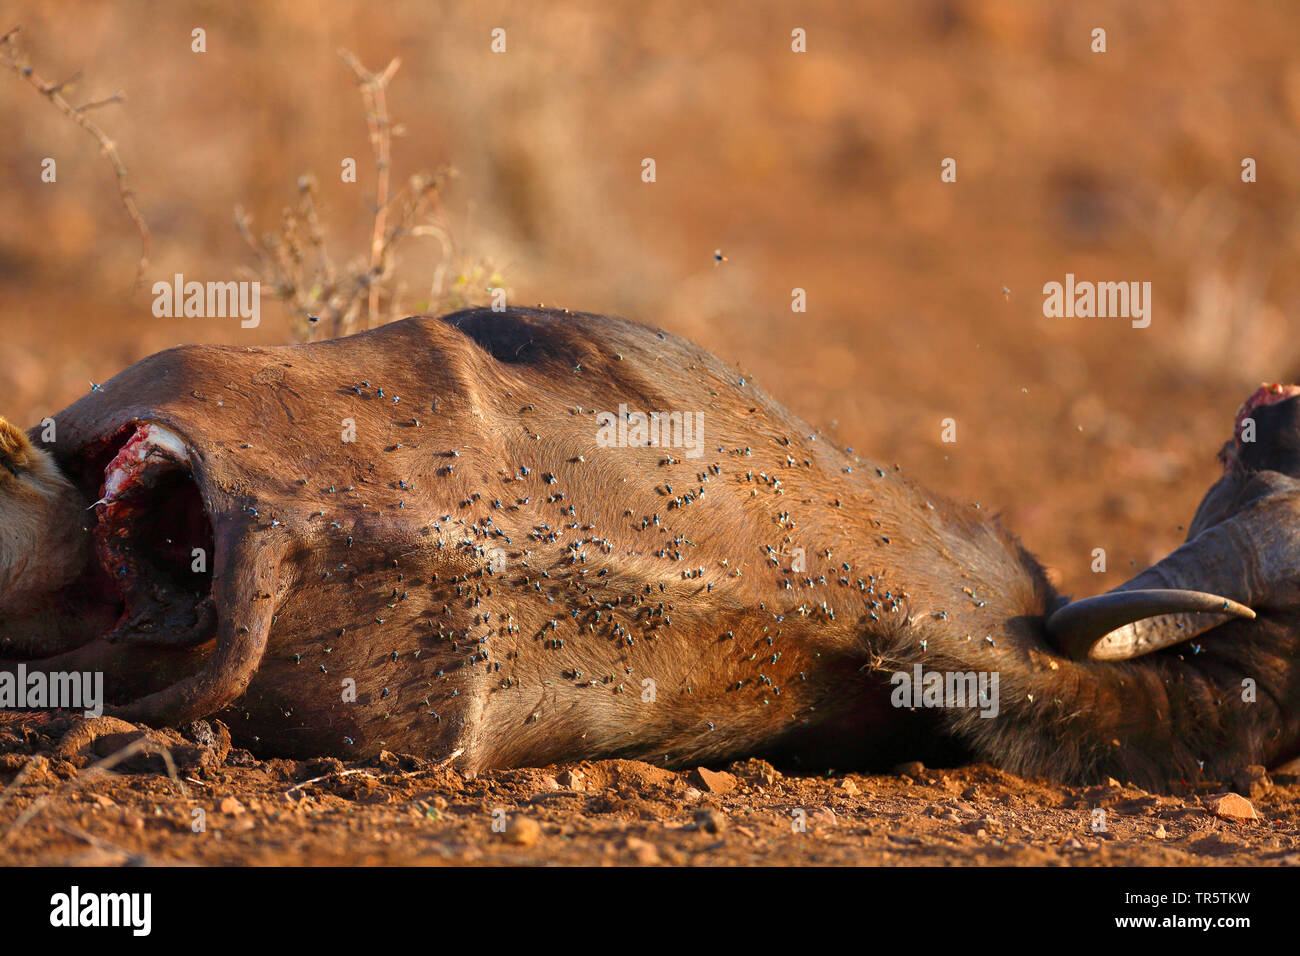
(712,781)
(573,780)
(823,816)
(1231,806)
(710,820)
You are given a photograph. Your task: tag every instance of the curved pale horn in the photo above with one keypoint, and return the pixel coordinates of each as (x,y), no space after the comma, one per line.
(1123,624)
(1179,597)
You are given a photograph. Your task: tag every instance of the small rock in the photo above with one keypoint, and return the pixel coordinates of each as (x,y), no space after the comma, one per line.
(692,795)
(913,768)
(522,831)
(1113,784)
(549,783)
(849,787)
(1072,844)
(103,801)
(1231,806)
(971,793)
(710,820)
(712,781)
(573,780)
(823,816)
(1162,833)
(231,806)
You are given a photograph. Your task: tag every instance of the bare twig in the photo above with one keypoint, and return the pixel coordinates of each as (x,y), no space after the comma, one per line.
(402,774)
(12,57)
(327,776)
(94,772)
(118,97)
(96,842)
(170,764)
(296,263)
(374,92)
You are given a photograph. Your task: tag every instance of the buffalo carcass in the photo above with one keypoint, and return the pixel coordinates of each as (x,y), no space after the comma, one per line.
(529,536)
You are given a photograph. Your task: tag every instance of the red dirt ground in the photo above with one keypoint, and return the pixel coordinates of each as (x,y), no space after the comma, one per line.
(223,807)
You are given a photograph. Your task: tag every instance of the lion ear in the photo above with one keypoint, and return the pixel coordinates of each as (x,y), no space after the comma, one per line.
(16,451)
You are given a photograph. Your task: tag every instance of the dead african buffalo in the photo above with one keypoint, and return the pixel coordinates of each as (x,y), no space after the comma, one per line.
(469,536)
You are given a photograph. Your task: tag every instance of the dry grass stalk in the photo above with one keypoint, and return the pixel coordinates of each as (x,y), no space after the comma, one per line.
(295,262)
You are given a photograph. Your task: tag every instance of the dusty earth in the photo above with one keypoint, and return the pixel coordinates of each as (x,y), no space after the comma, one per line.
(100,793)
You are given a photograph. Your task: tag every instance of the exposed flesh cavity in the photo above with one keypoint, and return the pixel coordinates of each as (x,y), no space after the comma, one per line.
(151,521)
(151,444)
(1266,394)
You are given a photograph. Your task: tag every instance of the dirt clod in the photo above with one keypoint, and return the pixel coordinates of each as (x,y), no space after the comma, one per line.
(711,781)
(710,820)
(572,780)
(523,831)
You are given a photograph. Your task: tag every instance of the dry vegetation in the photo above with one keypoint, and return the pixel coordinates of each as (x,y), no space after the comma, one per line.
(334,301)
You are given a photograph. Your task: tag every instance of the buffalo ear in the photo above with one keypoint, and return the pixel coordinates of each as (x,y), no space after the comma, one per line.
(16,451)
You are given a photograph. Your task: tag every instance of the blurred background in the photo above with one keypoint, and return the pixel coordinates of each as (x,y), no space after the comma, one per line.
(816,170)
